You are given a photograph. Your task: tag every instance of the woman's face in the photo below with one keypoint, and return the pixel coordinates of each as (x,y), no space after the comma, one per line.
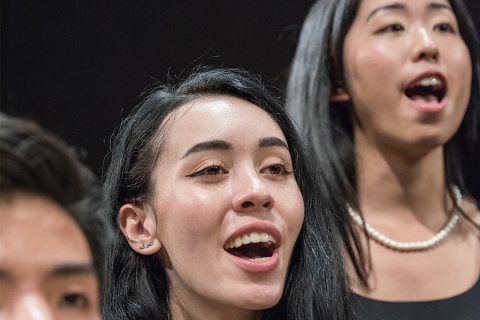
(228,207)
(46,269)
(408,73)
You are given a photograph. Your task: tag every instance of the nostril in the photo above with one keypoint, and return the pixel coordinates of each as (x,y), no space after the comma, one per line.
(247,204)
(266,204)
(428,55)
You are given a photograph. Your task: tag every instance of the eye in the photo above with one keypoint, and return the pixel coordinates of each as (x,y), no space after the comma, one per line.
(396,27)
(278,169)
(209,171)
(74,300)
(444,27)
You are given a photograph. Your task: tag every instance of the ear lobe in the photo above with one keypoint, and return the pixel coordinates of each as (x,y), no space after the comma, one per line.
(138,225)
(340,96)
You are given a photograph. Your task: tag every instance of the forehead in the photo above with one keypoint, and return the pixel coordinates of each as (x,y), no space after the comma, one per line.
(369,5)
(36,231)
(220,117)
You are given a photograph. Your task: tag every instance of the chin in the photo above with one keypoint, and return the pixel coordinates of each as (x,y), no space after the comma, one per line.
(261,304)
(435,139)
(261,298)
(419,142)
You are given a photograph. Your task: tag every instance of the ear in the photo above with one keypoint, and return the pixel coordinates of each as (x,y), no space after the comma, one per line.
(138,224)
(340,95)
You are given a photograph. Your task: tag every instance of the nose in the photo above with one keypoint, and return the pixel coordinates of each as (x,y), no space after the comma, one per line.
(32,306)
(252,195)
(425,47)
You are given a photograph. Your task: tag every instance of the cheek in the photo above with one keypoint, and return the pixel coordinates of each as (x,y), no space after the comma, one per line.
(369,80)
(293,211)
(457,59)
(462,67)
(190,218)
(368,65)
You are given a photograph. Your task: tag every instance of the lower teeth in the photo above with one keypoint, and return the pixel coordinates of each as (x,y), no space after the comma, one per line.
(260,259)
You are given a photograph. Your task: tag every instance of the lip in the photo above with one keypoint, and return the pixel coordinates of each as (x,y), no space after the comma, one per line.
(265,266)
(428,107)
(250,266)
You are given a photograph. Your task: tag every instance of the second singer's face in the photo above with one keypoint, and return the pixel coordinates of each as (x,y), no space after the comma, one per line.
(408,73)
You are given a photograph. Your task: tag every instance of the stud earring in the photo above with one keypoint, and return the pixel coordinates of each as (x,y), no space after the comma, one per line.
(150,244)
(142,246)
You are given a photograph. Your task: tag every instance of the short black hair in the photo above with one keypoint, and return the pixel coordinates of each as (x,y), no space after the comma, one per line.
(35,161)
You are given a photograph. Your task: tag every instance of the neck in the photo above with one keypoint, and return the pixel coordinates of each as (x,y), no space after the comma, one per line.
(193,309)
(391,183)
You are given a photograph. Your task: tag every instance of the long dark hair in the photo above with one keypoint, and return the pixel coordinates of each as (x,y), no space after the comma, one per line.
(317,72)
(137,287)
(35,161)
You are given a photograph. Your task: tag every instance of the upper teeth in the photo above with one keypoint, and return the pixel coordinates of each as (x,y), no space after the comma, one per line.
(430,81)
(253,237)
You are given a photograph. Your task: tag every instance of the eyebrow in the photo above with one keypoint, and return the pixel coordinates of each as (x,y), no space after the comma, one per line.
(394,6)
(208,145)
(272,142)
(439,6)
(399,6)
(223,145)
(73,269)
(59,271)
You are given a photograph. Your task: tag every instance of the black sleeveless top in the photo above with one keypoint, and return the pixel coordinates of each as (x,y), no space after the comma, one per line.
(465,306)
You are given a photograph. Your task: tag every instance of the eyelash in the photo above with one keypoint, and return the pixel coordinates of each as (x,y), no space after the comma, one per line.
(393,28)
(283,167)
(205,171)
(74,300)
(213,170)
(447,27)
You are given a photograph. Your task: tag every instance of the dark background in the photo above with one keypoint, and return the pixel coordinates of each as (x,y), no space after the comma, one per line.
(77,67)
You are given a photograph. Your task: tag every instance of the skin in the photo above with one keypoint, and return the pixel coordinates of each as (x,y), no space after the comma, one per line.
(203,196)
(46,269)
(399,148)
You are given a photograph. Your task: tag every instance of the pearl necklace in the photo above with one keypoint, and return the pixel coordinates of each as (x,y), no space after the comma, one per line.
(410,246)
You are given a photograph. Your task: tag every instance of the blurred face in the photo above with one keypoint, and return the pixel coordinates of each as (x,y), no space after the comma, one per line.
(229,209)
(408,73)
(46,269)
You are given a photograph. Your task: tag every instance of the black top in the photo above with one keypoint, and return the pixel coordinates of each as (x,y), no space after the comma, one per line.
(465,306)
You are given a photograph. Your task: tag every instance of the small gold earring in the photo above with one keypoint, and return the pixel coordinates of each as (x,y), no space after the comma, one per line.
(142,246)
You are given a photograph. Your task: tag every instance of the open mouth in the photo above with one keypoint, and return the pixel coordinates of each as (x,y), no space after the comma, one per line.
(253,246)
(428,89)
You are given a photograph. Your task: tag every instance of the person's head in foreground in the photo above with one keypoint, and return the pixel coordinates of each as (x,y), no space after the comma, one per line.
(216,210)
(51,256)
(390,86)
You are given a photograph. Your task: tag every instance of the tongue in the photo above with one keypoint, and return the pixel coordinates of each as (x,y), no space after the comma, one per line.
(252,255)
(426,98)
(251,251)
(246,255)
